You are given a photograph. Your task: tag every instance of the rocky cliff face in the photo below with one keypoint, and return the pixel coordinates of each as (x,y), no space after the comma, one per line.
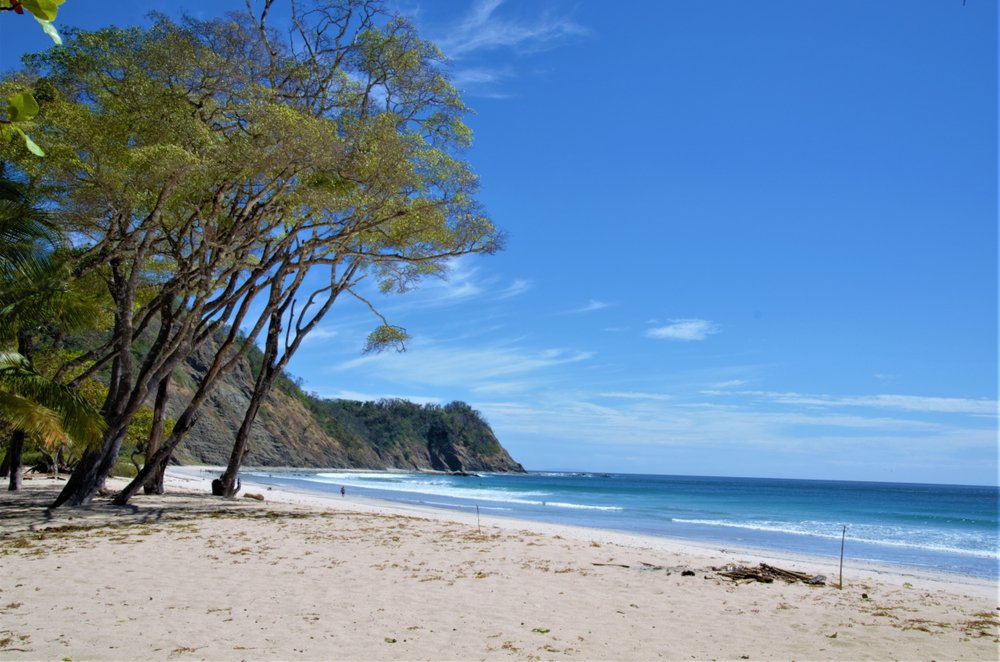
(295,430)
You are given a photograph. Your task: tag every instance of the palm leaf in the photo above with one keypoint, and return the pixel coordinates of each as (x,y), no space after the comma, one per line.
(36,420)
(39,291)
(22,385)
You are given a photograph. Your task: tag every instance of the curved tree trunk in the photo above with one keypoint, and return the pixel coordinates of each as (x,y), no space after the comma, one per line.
(273,363)
(91,472)
(154,485)
(228,484)
(156,463)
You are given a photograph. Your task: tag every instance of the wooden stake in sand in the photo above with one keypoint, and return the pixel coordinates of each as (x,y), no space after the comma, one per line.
(477,520)
(843,535)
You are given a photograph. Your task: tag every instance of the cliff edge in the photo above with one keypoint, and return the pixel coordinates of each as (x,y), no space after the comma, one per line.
(295,429)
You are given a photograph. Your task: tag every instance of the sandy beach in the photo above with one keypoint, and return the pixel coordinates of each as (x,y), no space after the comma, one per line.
(295,576)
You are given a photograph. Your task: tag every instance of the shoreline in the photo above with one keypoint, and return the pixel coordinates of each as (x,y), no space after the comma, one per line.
(189,576)
(896,574)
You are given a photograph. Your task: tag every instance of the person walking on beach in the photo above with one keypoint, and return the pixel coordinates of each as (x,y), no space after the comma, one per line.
(343,490)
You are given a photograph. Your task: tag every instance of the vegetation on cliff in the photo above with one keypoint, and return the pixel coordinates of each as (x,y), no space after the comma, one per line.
(297,429)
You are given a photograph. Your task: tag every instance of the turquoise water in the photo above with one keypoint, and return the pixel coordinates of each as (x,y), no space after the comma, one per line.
(948,528)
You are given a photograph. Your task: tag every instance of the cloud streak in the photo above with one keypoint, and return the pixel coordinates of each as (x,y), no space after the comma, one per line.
(592,306)
(496,369)
(636,395)
(913,403)
(519,286)
(482,29)
(642,421)
(684,329)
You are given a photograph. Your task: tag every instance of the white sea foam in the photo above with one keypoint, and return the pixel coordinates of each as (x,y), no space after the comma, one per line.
(354,476)
(561,504)
(443,486)
(466,506)
(971,544)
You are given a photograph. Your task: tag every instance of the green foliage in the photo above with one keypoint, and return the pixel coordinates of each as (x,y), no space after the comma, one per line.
(472,428)
(124,468)
(41,407)
(22,107)
(32,456)
(42,10)
(384,337)
(38,296)
(198,164)
(402,424)
(140,428)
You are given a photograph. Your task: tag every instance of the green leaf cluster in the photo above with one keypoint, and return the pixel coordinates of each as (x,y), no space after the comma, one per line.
(38,297)
(23,107)
(201,166)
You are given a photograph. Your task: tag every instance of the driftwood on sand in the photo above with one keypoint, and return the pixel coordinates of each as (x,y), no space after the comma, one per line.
(768,573)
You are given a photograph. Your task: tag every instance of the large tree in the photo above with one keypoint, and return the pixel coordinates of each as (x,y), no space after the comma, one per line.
(222,175)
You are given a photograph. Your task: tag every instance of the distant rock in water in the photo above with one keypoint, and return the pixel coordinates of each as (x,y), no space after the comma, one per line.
(295,429)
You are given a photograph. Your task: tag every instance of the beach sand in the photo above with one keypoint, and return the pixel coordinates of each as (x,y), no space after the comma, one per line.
(300,577)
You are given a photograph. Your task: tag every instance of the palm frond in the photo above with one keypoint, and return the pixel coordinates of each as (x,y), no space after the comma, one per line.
(77,417)
(33,418)
(39,291)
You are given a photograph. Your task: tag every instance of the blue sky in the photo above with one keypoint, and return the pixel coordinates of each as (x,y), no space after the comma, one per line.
(751,239)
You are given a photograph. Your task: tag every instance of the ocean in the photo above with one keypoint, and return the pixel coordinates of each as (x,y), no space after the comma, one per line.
(947,528)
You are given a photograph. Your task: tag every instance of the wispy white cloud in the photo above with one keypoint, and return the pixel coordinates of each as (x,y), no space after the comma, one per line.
(500,367)
(685,329)
(655,423)
(483,29)
(462,282)
(476,42)
(506,387)
(914,403)
(517,287)
(320,334)
(466,77)
(591,306)
(636,395)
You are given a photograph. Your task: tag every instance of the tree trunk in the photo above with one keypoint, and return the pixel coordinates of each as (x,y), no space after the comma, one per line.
(51,460)
(14,459)
(5,465)
(154,485)
(157,462)
(272,364)
(90,472)
(228,484)
(25,348)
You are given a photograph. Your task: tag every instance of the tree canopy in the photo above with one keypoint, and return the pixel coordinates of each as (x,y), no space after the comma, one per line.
(215,174)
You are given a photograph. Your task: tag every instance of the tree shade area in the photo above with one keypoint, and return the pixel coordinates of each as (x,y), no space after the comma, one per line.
(217,177)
